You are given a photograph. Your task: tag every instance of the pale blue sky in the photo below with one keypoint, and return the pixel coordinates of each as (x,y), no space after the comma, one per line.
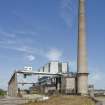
(32,32)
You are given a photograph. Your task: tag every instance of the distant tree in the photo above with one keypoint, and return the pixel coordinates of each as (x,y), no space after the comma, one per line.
(2,92)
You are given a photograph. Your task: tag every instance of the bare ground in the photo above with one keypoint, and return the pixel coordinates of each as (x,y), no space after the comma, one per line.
(65,100)
(101,99)
(11,101)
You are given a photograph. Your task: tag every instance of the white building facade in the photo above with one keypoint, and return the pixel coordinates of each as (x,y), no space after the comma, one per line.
(55,67)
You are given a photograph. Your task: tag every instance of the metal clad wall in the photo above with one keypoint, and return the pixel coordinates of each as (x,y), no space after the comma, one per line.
(60,67)
(54,67)
(46,68)
(64,67)
(41,70)
(12,86)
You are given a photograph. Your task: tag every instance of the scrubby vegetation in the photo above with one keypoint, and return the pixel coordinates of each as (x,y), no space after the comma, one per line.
(2,92)
(65,100)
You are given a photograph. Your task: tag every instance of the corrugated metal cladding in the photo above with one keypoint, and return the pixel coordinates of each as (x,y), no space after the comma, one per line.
(46,68)
(55,67)
(59,67)
(65,67)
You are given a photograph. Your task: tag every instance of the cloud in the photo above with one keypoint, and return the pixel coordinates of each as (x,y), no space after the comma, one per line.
(25,46)
(7,42)
(32,33)
(54,54)
(65,11)
(14,34)
(7,34)
(30,57)
(24,49)
(15,41)
(96,77)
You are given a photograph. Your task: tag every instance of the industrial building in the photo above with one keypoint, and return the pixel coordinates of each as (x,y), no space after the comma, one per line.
(55,76)
(51,78)
(64,82)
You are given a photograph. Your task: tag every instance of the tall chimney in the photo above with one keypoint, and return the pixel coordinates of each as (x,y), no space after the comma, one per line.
(82,69)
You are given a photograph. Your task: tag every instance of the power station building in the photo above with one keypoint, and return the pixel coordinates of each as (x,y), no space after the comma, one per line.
(64,82)
(55,76)
(51,78)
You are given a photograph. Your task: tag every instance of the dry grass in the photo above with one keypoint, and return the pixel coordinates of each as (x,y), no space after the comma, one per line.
(65,100)
(100,97)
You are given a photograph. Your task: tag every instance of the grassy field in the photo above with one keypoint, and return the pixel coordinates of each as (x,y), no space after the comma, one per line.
(65,100)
